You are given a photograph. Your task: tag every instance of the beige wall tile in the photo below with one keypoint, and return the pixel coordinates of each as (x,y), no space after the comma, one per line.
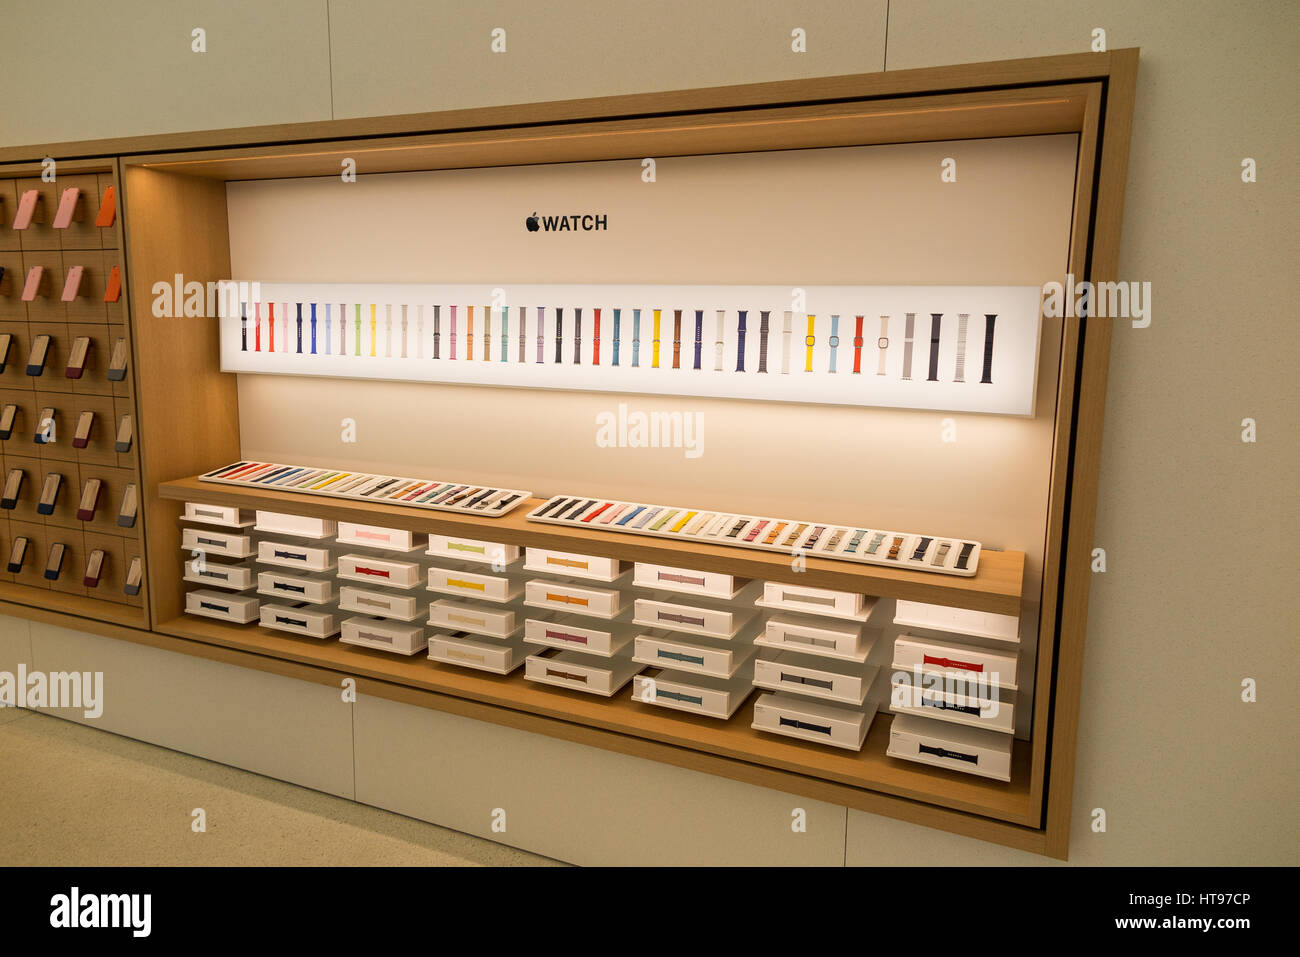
(83,71)
(293,730)
(576,803)
(441,58)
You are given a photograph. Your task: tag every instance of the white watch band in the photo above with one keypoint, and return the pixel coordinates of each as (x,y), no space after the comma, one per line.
(909,327)
(717,345)
(884,337)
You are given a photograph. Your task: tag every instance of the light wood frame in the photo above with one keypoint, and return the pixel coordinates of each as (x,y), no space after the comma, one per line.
(188,410)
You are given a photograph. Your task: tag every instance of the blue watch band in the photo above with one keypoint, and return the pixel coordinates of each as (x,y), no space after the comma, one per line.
(834,340)
(617,317)
(636,338)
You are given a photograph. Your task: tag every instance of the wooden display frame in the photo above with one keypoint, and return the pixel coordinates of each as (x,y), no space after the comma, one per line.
(172,212)
(16,596)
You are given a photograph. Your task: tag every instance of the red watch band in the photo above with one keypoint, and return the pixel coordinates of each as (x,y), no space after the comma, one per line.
(857,346)
(595,355)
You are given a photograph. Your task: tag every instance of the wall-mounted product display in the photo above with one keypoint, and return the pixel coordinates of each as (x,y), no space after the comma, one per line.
(757,660)
(847,543)
(366,486)
(893,346)
(76,495)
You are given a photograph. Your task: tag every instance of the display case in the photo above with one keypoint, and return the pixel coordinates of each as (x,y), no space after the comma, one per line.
(806,312)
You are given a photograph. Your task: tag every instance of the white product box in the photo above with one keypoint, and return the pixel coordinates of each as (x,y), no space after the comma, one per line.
(693,619)
(303,557)
(455,581)
(813,720)
(573,564)
(295,588)
(698,694)
(212,542)
(217,575)
(568,669)
(379,571)
(783,596)
(460,649)
(300,619)
(567,631)
(377,536)
(474,618)
(379,604)
(951,746)
(963,662)
(301,526)
(578,599)
(847,643)
(957,621)
(668,651)
(472,550)
(383,635)
(955,706)
(227,515)
(687,581)
(222,605)
(792,673)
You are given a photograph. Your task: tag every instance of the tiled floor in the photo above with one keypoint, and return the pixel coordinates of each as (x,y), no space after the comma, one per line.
(72,795)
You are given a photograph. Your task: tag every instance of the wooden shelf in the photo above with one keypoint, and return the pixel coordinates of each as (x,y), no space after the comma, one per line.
(996,588)
(868,770)
(96,609)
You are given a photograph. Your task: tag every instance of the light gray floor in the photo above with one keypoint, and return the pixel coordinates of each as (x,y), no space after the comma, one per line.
(73,795)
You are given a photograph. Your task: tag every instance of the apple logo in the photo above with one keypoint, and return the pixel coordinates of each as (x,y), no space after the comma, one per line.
(532,223)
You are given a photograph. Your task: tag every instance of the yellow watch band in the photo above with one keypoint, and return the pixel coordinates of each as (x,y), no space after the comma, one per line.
(654,354)
(689,515)
(469,333)
(372,330)
(808,345)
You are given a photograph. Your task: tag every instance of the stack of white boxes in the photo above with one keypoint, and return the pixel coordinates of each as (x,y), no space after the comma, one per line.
(219,547)
(379,576)
(698,629)
(476,610)
(954,688)
(295,556)
(578,613)
(814,662)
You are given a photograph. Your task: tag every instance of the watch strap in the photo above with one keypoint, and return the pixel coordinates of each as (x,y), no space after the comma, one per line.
(936,330)
(909,329)
(959,374)
(762,341)
(987,377)
(717,340)
(677,338)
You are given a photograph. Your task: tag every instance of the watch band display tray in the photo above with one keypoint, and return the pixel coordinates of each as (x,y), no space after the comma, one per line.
(846,543)
(430,494)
